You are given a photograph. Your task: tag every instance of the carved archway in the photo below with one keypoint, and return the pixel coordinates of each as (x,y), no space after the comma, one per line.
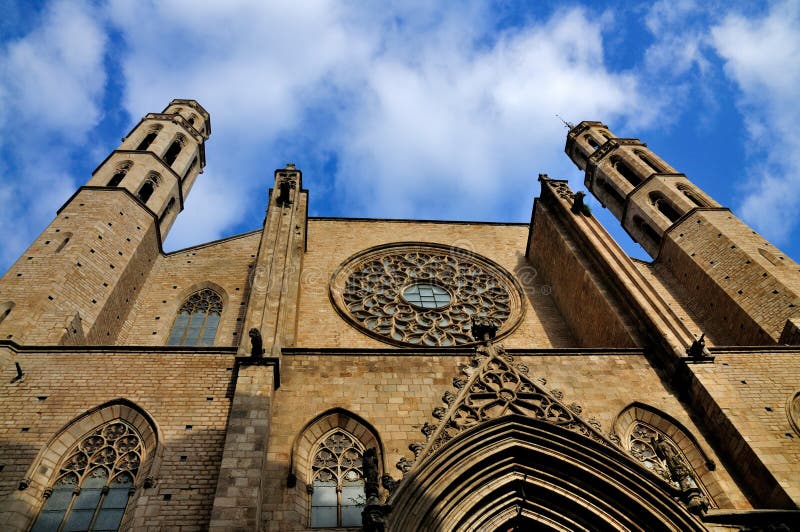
(517,469)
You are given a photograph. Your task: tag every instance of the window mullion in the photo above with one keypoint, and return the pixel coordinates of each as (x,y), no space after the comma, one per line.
(75,494)
(202,329)
(339,501)
(99,505)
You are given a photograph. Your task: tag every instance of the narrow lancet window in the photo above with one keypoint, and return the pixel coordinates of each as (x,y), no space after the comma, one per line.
(119,175)
(664,206)
(148,139)
(146,191)
(173,151)
(626,172)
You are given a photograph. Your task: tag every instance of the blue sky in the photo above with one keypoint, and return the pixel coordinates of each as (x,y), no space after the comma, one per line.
(409,109)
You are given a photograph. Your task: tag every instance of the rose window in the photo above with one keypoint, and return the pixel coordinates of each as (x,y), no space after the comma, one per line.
(424,294)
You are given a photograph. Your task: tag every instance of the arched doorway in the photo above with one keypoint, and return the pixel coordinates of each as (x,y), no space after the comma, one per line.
(516,472)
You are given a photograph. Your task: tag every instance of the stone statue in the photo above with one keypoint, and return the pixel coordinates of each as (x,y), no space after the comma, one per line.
(256,344)
(373,517)
(681,473)
(371,475)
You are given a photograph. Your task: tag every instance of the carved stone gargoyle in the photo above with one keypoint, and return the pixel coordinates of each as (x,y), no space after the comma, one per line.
(256,343)
(698,349)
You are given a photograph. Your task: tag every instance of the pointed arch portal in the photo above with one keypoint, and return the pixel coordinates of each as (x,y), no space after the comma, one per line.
(515,472)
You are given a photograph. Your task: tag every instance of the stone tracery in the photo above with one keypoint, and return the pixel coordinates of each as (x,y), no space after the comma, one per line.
(369,292)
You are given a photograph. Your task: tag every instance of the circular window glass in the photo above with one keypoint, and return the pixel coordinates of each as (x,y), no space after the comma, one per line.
(427,296)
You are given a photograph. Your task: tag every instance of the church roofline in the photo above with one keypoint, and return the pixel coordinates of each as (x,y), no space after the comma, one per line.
(411,220)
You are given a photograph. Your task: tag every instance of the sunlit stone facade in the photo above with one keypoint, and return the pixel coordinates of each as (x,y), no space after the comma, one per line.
(403,375)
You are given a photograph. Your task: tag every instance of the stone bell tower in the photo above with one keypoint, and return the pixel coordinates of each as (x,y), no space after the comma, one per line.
(745,289)
(76,283)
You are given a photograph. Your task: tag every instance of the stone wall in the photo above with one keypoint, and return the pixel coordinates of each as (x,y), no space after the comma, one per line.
(395,395)
(185,393)
(332,242)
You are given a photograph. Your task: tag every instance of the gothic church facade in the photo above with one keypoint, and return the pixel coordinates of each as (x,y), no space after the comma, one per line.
(328,373)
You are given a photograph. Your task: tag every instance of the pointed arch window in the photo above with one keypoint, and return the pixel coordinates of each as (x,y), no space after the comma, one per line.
(649,162)
(174,149)
(590,140)
(612,192)
(655,450)
(693,196)
(150,184)
(197,320)
(94,481)
(626,171)
(664,206)
(646,229)
(337,495)
(149,138)
(119,175)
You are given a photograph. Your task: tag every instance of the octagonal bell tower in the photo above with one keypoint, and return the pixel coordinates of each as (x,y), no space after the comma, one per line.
(78,280)
(719,261)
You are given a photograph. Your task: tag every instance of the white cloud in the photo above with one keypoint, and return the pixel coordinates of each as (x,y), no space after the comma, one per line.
(54,75)
(476,128)
(421,103)
(761,56)
(51,83)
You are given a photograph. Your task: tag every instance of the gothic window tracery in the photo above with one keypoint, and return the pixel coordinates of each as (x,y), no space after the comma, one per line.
(642,443)
(94,481)
(424,294)
(692,195)
(197,320)
(649,162)
(337,489)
